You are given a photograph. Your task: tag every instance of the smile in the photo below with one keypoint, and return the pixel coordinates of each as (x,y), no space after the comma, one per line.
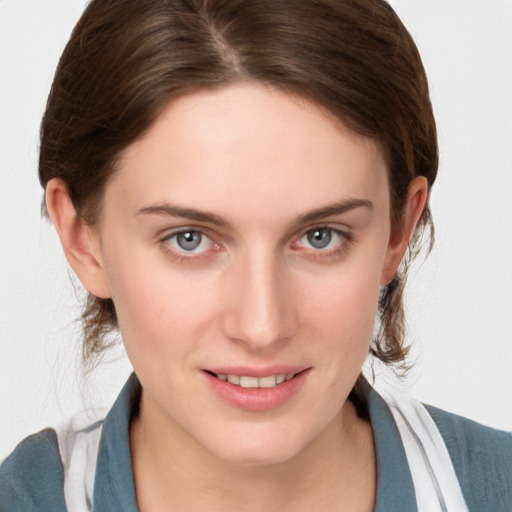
(257,389)
(245,381)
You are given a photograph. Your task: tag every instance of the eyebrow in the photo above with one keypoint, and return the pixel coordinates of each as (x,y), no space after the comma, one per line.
(186,213)
(337,208)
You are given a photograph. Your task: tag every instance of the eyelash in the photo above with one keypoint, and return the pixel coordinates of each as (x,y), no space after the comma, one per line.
(317,254)
(186,257)
(340,249)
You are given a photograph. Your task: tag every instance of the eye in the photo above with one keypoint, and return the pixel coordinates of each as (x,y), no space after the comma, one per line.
(189,241)
(322,238)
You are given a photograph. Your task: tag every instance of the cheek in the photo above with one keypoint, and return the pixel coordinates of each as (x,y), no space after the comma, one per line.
(344,305)
(157,306)
(340,313)
(337,325)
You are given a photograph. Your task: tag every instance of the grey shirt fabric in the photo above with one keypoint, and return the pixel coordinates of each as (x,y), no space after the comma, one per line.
(31,478)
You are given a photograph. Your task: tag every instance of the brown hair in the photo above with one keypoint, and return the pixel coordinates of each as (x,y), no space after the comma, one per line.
(126,59)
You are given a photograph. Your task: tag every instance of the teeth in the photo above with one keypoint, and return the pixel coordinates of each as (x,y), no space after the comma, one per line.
(249,382)
(234,379)
(255,382)
(267,382)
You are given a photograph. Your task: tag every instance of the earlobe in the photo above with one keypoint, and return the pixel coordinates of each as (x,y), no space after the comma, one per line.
(415,203)
(79,241)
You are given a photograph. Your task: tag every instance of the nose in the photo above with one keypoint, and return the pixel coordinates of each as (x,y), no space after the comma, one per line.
(259,303)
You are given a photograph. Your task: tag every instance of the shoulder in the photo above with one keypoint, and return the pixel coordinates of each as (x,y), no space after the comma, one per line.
(31,478)
(482,458)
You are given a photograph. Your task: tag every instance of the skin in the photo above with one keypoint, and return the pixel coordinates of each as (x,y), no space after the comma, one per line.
(255,293)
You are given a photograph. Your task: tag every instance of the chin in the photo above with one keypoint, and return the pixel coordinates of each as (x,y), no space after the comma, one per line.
(256,448)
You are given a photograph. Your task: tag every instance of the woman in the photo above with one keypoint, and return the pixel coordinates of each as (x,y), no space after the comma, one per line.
(236,185)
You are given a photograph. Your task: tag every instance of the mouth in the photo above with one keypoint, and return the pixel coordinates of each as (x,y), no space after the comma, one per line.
(257,389)
(246,381)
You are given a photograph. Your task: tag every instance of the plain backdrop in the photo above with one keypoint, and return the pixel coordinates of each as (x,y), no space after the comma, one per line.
(459,300)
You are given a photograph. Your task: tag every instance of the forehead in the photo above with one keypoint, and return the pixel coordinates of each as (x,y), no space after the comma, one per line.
(250,147)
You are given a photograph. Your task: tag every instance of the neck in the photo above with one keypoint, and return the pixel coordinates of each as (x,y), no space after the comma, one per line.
(335,471)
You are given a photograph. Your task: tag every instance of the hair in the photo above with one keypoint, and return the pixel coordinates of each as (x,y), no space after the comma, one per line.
(126,59)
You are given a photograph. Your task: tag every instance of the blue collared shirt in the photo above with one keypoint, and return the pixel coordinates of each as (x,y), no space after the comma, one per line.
(31,478)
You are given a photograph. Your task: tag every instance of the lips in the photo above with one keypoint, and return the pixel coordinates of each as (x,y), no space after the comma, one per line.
(246,381)
(257,390)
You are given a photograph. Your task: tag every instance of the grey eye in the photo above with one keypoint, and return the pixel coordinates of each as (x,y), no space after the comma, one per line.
(319,238)
(188,240)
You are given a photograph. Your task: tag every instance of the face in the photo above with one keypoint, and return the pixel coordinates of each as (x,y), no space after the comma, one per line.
(243,240)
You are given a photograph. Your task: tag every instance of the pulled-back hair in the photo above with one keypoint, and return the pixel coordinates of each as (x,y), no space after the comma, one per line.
(126,59)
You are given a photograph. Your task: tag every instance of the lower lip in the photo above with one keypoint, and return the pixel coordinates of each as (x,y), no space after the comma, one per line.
(257,399)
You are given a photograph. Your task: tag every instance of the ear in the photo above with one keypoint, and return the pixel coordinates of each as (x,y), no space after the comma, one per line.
(415,203)
(79,241)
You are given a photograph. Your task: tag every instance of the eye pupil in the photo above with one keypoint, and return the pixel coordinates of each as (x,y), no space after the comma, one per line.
(189,240)
(319,238)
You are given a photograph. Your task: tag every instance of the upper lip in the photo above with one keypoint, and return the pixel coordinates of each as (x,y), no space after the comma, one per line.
(251,371)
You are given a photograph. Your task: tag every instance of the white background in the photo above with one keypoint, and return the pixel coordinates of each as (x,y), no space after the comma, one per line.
(460,300)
